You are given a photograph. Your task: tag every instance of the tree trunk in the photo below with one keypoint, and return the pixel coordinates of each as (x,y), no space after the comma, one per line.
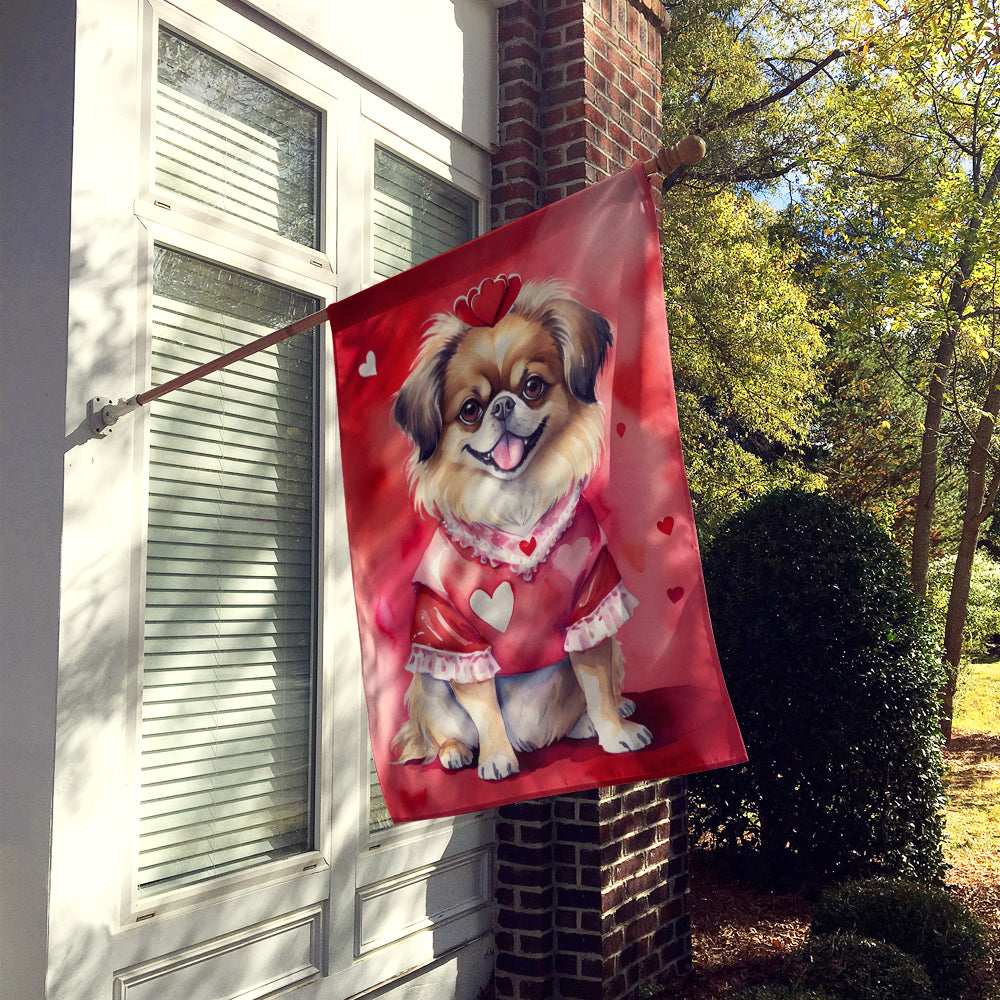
(980,499)
(958,299)
(920,554)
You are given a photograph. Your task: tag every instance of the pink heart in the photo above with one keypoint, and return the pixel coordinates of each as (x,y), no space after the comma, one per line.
(675,594)
(666,525)
(527,546)
(621,430)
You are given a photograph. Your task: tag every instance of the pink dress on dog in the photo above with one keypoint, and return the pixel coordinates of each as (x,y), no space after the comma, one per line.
(489,602)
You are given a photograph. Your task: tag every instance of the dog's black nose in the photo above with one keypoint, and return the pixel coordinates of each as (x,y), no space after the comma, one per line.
(502,408)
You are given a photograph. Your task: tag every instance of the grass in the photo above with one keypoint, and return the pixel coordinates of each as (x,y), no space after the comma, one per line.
(973,782)
(978,698)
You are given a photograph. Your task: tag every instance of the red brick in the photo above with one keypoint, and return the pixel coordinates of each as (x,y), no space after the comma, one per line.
(564,53)
(521,130)
(519,93)
(575,988)
(518,49)
(570,132)
(599,97)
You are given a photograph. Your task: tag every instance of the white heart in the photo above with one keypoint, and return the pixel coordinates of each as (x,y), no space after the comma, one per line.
(571,558)
(367,367)
(495,610)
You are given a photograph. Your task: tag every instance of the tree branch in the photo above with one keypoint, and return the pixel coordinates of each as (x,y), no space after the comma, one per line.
(754,106)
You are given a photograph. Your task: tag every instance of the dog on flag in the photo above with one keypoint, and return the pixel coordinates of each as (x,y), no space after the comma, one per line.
(518,600)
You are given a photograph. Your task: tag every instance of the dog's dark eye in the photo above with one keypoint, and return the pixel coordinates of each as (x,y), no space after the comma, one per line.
(533,388)
(471,411)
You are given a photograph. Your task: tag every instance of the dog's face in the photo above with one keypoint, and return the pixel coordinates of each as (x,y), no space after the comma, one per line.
(504,419)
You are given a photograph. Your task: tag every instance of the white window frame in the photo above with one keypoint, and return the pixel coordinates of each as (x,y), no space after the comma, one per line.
(350,874)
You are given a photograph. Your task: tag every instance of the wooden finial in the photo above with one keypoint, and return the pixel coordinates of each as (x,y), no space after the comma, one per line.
(668,158)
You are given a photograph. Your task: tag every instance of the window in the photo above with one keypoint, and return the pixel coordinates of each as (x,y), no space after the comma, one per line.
(227,140)
(228,678)
(416,216)
(252,807)
(229,646)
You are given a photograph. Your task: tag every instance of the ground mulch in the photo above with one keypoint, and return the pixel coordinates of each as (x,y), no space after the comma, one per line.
(742,934)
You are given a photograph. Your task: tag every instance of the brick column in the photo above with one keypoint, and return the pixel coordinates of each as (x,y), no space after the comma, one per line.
(591,888)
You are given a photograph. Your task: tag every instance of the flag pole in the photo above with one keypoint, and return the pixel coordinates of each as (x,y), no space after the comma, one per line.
(103,414)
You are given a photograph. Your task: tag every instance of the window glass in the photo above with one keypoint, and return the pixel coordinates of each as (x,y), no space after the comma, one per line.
(416,216)
(228,140)
(228,680)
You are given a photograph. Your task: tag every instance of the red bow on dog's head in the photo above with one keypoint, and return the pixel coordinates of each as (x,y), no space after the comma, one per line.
(488,303)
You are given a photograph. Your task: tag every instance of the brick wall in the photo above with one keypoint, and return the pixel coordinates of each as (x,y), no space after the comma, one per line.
(591,893)
(591,888)
(579,96)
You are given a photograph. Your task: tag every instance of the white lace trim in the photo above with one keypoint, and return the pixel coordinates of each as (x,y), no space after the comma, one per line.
(448,666)
(493,546)
(605,620)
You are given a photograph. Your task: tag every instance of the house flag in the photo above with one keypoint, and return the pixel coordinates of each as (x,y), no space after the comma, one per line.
(528,585)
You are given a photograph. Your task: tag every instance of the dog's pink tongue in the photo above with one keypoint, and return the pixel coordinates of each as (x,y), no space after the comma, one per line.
(508,452)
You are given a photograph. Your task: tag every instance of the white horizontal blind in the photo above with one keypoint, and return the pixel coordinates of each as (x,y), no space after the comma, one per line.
(228,659)
(416,216)
(228,140)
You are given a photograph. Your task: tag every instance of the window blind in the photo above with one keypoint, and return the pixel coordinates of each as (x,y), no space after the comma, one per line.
(228,140)
(416,216)
(228,686)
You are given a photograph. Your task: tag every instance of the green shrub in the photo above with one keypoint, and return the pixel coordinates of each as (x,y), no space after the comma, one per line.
(982,619)
(925,922)
(856,968)
(833,672)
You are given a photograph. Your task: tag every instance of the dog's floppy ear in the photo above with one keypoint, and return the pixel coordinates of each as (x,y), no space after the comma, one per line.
(583,337)
(418,403)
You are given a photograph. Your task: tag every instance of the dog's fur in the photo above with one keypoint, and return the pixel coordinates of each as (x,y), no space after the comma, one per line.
(505,422)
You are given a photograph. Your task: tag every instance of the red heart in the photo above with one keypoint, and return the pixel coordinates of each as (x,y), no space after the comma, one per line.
(675,594)
(621,430)
(666,525)
(527,546)
(487,304)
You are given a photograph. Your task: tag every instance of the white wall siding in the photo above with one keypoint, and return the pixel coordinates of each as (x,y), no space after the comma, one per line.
(428,52)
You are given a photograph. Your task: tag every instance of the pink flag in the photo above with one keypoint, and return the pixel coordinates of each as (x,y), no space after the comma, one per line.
(529,590)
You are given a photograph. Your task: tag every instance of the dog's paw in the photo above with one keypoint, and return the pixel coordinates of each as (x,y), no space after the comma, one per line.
(629,736)
(626,706)
(498,766)
(454,755)
(583,729)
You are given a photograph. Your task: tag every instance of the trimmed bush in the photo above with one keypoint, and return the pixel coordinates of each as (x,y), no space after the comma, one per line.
(856,968)
(833,672)
(925,922)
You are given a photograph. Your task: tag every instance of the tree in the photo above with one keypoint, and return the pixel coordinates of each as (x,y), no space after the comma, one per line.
(913,187)
(746,351)
(746,355)
(879,123)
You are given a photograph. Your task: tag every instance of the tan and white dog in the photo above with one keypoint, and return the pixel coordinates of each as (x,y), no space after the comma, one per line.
(502,411)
